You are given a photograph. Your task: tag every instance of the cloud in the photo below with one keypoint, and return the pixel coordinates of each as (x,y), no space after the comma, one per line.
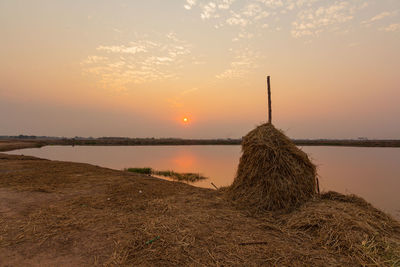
(94,59)
(225,4)
(237,19)
(189,4)
(251,10)
(395,27)
(119,66)
(379,17)
(313,21)
(132,49)
(243,62)
(273,3)
(209,10)
(304,18)
(247,15)
(177,100)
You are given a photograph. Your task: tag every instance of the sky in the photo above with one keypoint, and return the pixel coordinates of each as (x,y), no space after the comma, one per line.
(137,68)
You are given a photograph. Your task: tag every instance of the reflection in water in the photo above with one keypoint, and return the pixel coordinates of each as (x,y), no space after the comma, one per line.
(184,159)
(373,173)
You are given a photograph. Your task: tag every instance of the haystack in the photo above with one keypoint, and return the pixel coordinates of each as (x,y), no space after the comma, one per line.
(273,174)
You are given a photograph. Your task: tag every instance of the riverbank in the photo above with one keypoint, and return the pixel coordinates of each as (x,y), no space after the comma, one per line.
(8,145)
(71,214)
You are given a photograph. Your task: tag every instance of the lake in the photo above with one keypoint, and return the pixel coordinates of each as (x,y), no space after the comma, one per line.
(372,173)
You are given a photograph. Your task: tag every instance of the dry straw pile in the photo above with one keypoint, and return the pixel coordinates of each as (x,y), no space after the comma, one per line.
(273,174)
(347,226)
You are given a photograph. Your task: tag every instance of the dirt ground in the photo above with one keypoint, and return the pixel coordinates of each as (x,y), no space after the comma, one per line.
(71,214)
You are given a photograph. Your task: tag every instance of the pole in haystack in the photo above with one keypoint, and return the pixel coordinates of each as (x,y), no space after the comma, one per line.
(273,173)
(269,100)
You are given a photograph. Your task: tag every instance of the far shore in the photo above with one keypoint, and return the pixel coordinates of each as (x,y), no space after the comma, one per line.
(115,141)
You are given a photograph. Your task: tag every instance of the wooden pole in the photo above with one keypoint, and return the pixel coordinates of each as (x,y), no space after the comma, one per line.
(214,186)
(269,100)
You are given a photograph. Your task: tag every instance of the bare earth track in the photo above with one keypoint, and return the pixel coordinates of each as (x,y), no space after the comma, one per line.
(71,214)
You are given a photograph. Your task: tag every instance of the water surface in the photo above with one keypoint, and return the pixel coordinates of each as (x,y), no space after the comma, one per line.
(372,173)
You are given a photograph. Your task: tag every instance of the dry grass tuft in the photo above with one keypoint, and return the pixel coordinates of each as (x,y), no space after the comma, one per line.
(273,174)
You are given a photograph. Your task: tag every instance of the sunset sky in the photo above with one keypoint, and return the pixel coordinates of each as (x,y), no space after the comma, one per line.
(137,68)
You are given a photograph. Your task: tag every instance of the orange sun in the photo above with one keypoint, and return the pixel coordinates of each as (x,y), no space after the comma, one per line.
(185,120)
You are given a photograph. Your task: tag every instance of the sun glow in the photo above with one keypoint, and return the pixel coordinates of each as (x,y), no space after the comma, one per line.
(185,120)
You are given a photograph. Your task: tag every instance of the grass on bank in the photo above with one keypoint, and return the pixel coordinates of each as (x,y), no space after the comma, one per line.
(140,170)
(178,176)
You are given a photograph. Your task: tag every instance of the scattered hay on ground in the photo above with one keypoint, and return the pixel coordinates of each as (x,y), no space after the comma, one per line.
(273,174)
(349,226)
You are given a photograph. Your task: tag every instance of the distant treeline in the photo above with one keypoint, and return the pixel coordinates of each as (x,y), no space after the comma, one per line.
(124,141)
(28,137)
(144,141)
(348,142)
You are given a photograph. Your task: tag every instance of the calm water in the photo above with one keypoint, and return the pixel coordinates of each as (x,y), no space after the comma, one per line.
(373,173)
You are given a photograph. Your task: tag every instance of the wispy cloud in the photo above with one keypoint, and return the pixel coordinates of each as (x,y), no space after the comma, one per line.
(307,18)
(119,65)
(225,4)
(395,27)
(131,49)
(189,4)
(312,21)
(209,10)
(243,62)
(237,19)
(177,101)
(379,17)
